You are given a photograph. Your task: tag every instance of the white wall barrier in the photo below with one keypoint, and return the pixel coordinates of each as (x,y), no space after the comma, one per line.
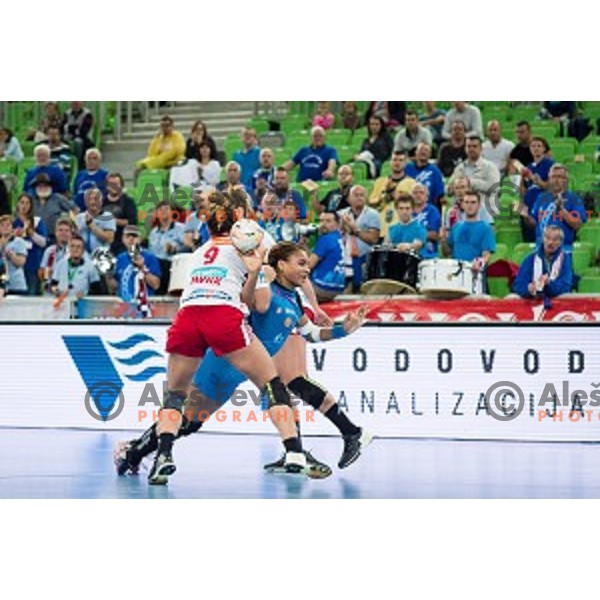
(399,381)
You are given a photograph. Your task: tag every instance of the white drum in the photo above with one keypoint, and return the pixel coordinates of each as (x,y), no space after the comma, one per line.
(445,278)
(180,266)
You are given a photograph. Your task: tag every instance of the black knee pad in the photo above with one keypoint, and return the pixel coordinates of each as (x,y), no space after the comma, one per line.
(308,391)
(277,393)
(174,399)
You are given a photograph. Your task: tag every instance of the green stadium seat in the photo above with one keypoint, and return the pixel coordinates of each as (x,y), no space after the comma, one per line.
(8,166)
(520,251)
(547,131)
(589,285)
(498,287)
(511,236)
(564,150)
(259,125)
(591,272)
(590,232)
(501,253)
(579,169)
(232,144)
(587,246)
(581,259)
(360,170)
(589,147)
(156,177)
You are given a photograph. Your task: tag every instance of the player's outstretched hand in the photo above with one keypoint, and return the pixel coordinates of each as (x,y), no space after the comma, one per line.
(355,320)
(254,259)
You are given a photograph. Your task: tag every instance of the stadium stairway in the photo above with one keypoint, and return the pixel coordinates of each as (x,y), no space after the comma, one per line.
(221,118)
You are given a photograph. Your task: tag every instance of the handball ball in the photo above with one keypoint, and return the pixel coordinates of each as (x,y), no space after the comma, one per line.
(246,235)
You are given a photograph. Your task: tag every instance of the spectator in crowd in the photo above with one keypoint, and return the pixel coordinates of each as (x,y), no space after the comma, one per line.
(326,262)
(349,116)
(95,225)
(455,214)
(121,207)
(429,216)
(558,206)
(248,157)
(407,234)
(548,271)
(266,171)
(496,148)
(392,112)
(483,175)
(433,119)
(93,176)
(78,124)
(411,135)
(32,230)
(376,147)
(283,192)
(166,149)
(165,240)
(75,276)
(58,181)
(137,272)
(233,179)
(50,118)
(199,172)
(9,145)
(337,199)
(534,180)
(4,199)
(422,171)
(195,230)
(198,136)
(49,205)
(470,240)
(13,254)
(469,114)
(561,110)
(386,191)
(317,161)
(271,217)
(60,153)
(55,252)
(361,226)
(323,116)
(522,151)
(453,152)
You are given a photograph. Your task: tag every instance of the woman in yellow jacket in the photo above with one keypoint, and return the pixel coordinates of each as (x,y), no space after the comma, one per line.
(166,149)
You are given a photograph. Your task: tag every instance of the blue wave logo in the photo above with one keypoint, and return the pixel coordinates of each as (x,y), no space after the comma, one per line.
(100,372)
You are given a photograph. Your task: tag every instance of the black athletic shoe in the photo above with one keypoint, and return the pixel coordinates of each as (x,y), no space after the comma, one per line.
(163,467)
(123,464)
(314,468)
(353,446)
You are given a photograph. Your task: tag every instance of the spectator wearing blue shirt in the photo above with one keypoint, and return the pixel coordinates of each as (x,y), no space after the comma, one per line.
(328,275)
(470,240)
(547,272)
(429,216)
(57,178)
(133,266)
(271,216)
(422,171)
(233,179)
(93,176)
(407,235)
(558,207)
(248,158)
(281,189)
(266,171)
(13,255)
(317,161)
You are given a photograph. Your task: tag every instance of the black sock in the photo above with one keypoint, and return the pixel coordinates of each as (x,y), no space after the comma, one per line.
(341,421)
(165,443)
(146,444)
(293,445)
(189,427)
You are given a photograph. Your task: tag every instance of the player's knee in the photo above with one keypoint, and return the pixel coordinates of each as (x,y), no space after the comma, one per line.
(308,391)
(174,400)
(277,394)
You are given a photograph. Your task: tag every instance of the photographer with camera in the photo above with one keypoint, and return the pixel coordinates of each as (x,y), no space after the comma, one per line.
(137,271)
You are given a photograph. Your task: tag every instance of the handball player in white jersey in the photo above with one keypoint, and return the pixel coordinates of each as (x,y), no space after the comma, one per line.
(213,308)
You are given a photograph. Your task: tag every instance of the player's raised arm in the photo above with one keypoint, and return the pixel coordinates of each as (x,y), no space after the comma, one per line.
(353,321)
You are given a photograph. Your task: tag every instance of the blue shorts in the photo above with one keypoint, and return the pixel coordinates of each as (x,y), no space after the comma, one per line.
(217,379)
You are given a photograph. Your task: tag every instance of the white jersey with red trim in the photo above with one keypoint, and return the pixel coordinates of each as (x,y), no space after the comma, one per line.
(215,276)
